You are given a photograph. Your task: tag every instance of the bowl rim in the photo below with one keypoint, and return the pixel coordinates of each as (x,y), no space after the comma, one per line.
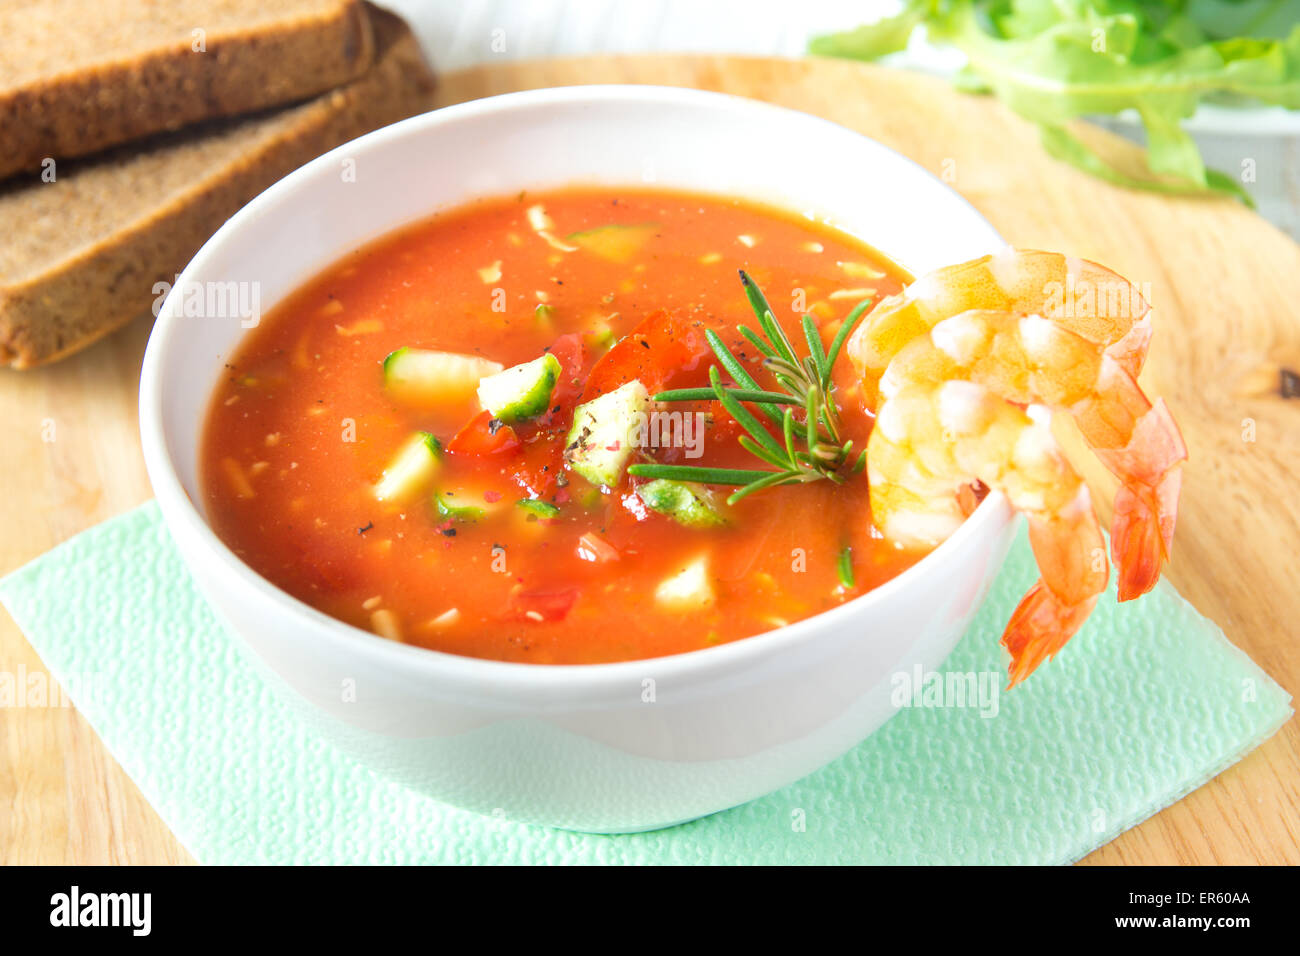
(185,521)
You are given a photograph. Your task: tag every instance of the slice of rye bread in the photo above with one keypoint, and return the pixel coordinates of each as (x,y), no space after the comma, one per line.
(79,76)
(81,255)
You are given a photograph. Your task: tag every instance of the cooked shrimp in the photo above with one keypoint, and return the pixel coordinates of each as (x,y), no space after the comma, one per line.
(1031,360)
(1142,447)
(933,438)
(1025,329)
(1081,296)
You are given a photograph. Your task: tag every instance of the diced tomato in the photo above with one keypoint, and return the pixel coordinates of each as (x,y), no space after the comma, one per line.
(479,437)
(541,605)
(662,347)
(571,353)
(634,506)
(620,519)
(541,465)
(724,427)
(543,461)
(592,547)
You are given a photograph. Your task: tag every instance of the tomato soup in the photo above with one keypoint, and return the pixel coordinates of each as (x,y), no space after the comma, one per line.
(437,438)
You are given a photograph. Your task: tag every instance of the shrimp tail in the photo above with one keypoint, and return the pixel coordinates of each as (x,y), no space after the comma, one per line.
(1041,625)
(1141,533)
(1154,455)
(1071,558)
(1146,505)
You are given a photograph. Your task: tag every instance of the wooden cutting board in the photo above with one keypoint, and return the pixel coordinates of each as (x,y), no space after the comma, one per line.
(1226,286)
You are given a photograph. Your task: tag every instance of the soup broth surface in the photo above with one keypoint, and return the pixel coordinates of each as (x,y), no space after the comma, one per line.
(302,426)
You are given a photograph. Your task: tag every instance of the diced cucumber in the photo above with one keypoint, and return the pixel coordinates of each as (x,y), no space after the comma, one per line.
(411,469)
(463,504)
(685,502)
(522,391)
(615,242)
(446,508)
(601,440)
(688,590)
(426,377)
(601,335)
(538,508)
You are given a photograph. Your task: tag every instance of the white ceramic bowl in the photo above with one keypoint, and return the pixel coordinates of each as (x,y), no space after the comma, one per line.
(607,747)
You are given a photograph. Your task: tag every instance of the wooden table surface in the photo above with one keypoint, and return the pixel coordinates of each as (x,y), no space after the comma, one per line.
(1226,287)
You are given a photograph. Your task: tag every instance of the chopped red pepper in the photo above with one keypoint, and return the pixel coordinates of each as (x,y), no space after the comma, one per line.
(541,605)
(484,435)
(541,467)
(571,353)
(592,547)
(543,464)
(662,347)
(724,426)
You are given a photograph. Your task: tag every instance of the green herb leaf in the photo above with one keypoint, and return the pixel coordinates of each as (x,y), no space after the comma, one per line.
(736,370)
(767,319)
(845,568)
(740,394)
(741,414)
(846,327)
(779,478)
(765,454)
(756,340)
(806,383)
(816,351)
(705,476)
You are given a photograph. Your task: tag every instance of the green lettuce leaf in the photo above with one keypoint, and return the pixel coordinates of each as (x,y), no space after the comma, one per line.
(1053,61)
(874,40)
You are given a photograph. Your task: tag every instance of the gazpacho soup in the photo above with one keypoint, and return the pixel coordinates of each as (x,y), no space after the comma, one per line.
(565,427)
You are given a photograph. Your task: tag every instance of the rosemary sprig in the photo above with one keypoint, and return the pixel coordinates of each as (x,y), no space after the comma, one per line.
(844,568)
(707,476)
(808,450)
(741,394)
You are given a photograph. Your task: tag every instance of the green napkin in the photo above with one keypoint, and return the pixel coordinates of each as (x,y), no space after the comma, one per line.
(1147,703)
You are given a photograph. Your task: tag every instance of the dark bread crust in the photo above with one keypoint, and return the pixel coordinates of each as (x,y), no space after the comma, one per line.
(99,273)
(87,110)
